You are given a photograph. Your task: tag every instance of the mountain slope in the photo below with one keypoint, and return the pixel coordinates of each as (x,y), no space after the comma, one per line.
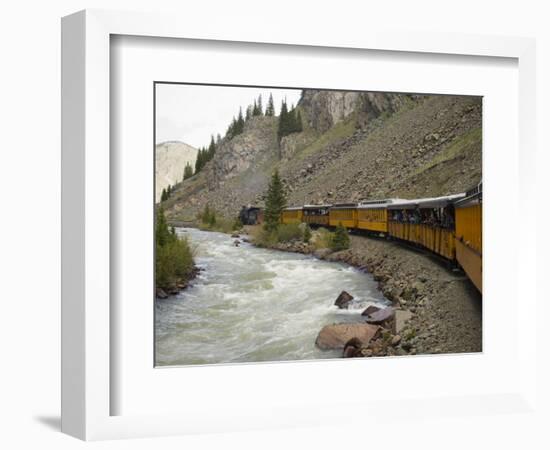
(355,145)
(170,160)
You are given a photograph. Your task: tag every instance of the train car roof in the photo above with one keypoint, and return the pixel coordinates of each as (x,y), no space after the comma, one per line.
(316,206)
(431,202)
(473,198)
(344,206)
(378,204)
(292,208)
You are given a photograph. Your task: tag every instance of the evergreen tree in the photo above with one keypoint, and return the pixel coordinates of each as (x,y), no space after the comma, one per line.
(283,121)
(198,161)
(260,106)
(340,240)
(218,139)
(163,195)
(270,108)
(162,233)
(275,202)
(248,113)
(299,126)
(188,171)
(240,123)
(255,110)
(211,148)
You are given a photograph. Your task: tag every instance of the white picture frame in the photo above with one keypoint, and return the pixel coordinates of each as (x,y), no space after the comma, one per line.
(87,385)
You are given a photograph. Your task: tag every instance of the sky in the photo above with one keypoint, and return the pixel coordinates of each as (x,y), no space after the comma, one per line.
(191,113)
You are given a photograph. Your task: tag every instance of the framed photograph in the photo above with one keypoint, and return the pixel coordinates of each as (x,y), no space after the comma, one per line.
(248,219)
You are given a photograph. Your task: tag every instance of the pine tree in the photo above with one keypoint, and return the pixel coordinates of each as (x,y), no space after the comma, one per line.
(240,122)
(218,139)
(270,108)
(162,233)
(283,121)
(260,106)
(340,240)
(255,110)
(163,195)
(275,202)
(299,126)
(211,148)
(188,171)
(248,113)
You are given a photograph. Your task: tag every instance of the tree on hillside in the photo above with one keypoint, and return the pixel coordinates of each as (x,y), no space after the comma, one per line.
(298,126)
(270,108)
(340,240)
(211,148)
(240,122)
(258,108)
(163,195)
(282,130)
(275,202)
(188,171)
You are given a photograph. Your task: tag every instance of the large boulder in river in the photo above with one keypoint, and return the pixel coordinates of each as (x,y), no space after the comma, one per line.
(343,299)
(332,337)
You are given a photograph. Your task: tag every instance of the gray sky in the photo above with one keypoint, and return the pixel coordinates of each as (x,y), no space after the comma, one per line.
(191,114)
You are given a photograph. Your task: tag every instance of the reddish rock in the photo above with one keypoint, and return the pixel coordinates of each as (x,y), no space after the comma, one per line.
(336,336)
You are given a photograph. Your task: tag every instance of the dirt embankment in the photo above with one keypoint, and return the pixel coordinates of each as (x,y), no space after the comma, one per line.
(446,308)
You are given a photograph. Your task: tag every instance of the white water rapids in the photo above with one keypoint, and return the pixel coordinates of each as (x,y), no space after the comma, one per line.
(251,304)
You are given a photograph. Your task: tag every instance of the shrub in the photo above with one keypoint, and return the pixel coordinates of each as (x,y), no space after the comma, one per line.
(340,239)
(307,234)
(173,256)
(289,232)
(237,224)
(264,238)
(322,238)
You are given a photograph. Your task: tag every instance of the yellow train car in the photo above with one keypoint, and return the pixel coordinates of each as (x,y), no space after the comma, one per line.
(292,215)
(468,235)
(316,215)
(373,215)
(345,214)
(428,223)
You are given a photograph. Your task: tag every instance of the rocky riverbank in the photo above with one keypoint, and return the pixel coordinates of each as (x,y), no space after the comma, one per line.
(180,285)
(435,309)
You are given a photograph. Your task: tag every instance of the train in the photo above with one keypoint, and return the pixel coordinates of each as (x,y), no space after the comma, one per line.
(448,226)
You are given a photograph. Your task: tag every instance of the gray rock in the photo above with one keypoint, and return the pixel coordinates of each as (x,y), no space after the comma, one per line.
(369,310)
(381,316)
(401,318)
(343,300)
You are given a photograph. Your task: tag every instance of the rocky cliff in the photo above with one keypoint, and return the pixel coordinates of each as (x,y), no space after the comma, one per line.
(170,160)
(354,146)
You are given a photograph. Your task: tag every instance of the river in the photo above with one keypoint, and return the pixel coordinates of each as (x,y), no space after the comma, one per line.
(250,304)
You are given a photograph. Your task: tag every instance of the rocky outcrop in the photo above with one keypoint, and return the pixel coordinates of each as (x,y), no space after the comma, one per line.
(256,144)
(170,160)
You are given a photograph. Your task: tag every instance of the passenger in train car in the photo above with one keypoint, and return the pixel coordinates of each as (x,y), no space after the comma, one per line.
(448,217)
